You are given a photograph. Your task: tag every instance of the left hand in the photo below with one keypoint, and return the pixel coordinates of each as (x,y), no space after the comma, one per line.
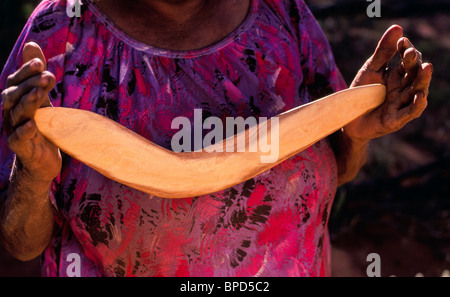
(407,87)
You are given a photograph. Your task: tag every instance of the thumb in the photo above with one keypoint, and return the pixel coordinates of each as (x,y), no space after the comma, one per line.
(32,50)
(386,49)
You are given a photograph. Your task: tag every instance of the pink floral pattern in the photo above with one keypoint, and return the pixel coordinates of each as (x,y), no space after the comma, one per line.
(272,225)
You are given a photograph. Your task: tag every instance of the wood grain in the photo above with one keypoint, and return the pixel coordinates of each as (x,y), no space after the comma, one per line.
(126,157)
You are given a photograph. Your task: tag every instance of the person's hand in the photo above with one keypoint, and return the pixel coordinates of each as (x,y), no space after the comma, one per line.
(406,84)
(27,90)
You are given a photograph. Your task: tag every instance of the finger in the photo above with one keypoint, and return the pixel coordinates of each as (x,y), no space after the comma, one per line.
(411,60)
(32,50)
(12,95)
(415,109)
(386,49)
(26,109)
(422,81)
(17,141)
(421,84)
(400,71)
(393,78)
(404,98)
(404,44)
(29,69)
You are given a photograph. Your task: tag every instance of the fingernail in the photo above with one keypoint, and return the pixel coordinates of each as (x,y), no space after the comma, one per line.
(408,42)
(403,44)
(34,64)
(45,80)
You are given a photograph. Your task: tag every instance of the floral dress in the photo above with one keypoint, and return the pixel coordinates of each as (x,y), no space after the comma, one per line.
(272,225)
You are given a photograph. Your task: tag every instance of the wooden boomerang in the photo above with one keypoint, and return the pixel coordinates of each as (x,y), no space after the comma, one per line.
(128,158)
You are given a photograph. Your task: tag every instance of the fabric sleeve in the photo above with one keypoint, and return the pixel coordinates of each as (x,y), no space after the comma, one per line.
(318,65)
(46,26)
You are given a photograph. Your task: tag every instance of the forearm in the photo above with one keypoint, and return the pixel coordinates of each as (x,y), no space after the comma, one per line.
(350,156)
(26,215)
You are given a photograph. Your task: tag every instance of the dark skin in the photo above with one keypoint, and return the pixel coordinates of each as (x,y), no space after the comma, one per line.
(26,215)
(407,86)
(176,24)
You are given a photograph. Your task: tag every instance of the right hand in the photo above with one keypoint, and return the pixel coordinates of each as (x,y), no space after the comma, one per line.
(27,90)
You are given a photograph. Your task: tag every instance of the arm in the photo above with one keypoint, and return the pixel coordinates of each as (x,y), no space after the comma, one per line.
(407,87)
(26,216)
(350,155)
(128,158)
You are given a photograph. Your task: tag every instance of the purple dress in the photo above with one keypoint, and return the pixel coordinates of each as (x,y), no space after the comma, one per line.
(272,225)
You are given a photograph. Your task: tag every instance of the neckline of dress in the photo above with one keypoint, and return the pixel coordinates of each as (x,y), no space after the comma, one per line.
(185,54)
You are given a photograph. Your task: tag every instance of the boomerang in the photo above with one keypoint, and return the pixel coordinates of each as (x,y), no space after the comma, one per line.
(130,159)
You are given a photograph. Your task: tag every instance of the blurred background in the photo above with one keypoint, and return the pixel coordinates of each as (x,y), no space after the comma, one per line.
(399,205)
